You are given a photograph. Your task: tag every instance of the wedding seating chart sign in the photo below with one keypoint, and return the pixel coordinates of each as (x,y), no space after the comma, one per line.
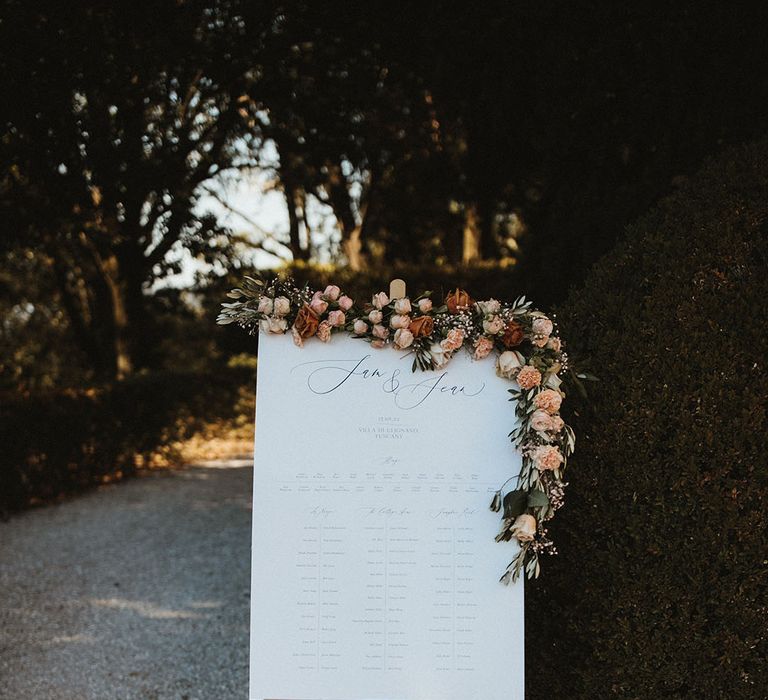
(375,572)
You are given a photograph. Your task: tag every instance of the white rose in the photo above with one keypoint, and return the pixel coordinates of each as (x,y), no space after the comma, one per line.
(403,306)
(265,305)
(282,306)
(439,356)
(489,307)
(508,363)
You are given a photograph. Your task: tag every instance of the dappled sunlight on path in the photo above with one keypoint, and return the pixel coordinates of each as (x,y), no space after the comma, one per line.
(137,590)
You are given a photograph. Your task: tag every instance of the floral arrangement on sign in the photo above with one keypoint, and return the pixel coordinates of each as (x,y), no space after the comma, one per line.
(528,351)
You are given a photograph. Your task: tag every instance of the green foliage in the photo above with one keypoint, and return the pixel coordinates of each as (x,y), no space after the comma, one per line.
(62,441)
(660,588)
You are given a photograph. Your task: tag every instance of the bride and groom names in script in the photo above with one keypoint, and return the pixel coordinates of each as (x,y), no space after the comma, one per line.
(375,573)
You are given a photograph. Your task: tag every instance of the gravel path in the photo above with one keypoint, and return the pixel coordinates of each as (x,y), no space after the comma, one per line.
(138,590)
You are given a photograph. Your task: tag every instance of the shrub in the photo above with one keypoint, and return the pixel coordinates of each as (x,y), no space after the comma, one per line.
(660,588)
(62,441)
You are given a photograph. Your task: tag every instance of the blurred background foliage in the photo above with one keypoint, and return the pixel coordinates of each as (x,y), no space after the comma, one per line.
(540,148)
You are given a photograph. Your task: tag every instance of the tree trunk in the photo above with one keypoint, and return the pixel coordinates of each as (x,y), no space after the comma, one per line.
(117,292)
(472,236)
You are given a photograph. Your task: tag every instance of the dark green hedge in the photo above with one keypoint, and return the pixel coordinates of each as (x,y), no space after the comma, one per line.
(661,587)
(60,442)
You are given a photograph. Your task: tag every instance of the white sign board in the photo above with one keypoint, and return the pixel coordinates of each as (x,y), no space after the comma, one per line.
(375,570)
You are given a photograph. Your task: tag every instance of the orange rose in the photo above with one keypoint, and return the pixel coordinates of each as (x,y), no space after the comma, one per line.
(513,335)
(306,322)
(458,300)
(421,326)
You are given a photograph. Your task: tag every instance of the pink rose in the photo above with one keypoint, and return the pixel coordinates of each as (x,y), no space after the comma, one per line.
(493,325)
(528,377)
(541,421)
(403,306)
(332,292)
(318,304)
(345,303)
(403,338)
(337,318)
(324,331)
(400,321)
(453,340)
(547,457)
(542,326)
(381,332)
(554,344)
(548,400)
(483,347)
(557,424)
(265,305)
(375,316)
(380,300)
(360,327)
(539,340)
(378,344)
(524,527)
(425,305)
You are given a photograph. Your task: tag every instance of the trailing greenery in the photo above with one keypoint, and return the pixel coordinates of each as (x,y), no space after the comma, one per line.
(662,582)
(60,442)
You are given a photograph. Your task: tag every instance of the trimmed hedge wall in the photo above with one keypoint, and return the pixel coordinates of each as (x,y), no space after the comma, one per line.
(63,441)
(661,586)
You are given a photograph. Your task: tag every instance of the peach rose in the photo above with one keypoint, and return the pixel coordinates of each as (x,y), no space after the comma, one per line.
(483,347)
(324,331)
(513,335)
(403,338)
(509,363)
(493,325)
(422,326)
(528,377)
(375,316)
(282,306)
(332,292)
(403,306)
(453,340)
(425,305)
(381,332)
(297,339)
(547,457)
(399,321)
(318,304)
(548,400)
(524,527)
(378,344)
(265,305)
(541,421)
(458,300)
(306,322)
(554,344)
(360,327)
(337,318)
(557,424)
(380,300)
(345,303)
(273,324)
